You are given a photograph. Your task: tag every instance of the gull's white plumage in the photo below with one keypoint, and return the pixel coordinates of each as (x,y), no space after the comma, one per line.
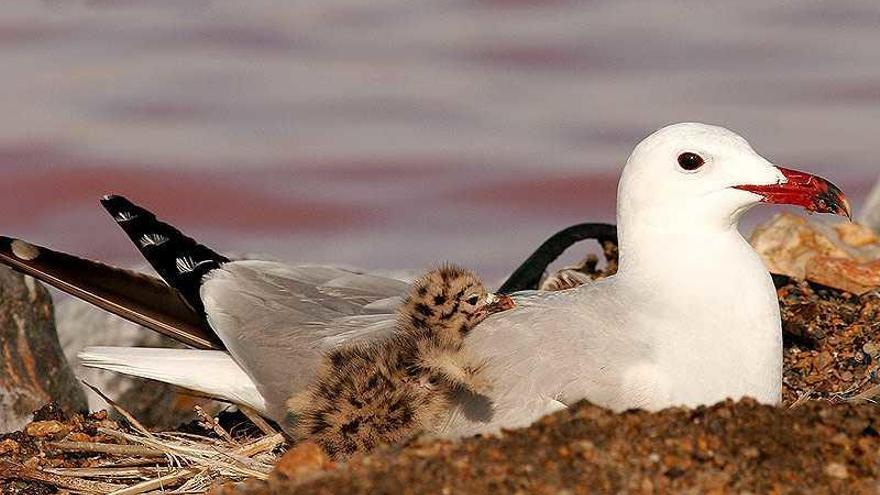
(213,373)
(690,318)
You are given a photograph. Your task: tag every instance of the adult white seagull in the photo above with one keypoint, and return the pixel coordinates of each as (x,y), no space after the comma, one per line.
(691,316)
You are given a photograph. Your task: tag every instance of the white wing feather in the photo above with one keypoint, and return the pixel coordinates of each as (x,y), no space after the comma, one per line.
(212,373)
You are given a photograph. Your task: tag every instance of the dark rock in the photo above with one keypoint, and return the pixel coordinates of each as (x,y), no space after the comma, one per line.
(49,412)
(33,370)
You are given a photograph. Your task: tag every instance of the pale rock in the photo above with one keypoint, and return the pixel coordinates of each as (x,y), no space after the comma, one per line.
(787,243)
(845,256)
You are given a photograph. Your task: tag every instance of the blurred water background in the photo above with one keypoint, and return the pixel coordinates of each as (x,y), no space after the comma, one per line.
(396,133)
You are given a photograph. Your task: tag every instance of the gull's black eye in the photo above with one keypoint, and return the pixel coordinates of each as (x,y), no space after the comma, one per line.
(690,161)
(473,300)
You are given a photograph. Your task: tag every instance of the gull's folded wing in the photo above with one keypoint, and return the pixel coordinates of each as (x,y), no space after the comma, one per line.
(278,320)
(210,373)
(136,297)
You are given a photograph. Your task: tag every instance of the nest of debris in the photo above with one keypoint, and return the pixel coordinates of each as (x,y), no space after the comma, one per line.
(95,454)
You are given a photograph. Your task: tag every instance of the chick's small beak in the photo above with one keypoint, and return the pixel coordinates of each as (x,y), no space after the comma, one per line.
(495,303)
(805,190)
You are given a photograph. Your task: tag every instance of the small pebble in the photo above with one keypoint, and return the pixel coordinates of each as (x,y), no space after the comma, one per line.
(836,470)
(9,446)
(303,461)
(99,415)
(751,453)
(78,437)
(46,428)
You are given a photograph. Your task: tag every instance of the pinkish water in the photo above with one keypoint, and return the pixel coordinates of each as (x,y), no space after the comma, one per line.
(398,133)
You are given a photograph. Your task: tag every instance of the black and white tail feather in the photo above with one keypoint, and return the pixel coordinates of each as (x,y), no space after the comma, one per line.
(180,260)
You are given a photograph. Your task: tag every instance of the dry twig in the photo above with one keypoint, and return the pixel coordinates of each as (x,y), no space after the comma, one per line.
(211,423)
(258,420)
(106,448)
(161,482)
(122,412)
(12,470)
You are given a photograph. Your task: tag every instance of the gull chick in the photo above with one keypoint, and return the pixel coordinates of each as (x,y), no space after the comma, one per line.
(386,392)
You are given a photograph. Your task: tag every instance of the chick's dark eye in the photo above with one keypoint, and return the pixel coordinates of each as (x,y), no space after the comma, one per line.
(690,161)
(473,300)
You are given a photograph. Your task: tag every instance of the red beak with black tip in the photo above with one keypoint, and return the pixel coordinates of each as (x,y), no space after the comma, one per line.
(804,190)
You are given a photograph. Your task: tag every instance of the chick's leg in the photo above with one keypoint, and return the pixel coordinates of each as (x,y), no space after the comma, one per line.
(459,371)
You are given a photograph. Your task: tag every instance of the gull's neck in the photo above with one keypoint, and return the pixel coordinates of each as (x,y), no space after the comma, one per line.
(657,240)
(662,250)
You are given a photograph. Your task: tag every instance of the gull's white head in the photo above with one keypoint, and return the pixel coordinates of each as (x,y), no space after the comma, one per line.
(689,175)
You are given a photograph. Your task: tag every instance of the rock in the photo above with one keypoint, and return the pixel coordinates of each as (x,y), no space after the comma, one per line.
(836,470)
(856,235)
(9,446)
(50,411)
(844,274)
(303,461)
(78,437)
(40,429)
(844,256)
(787,243)
(33,370)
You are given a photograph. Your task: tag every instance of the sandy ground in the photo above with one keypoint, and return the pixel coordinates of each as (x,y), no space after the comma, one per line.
(730,447)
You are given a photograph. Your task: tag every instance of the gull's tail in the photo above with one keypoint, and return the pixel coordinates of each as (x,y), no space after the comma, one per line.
(179,260)
(211,373)
(134,296)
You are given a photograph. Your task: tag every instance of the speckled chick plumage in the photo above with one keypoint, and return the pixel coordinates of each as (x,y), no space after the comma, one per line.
(388,391)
